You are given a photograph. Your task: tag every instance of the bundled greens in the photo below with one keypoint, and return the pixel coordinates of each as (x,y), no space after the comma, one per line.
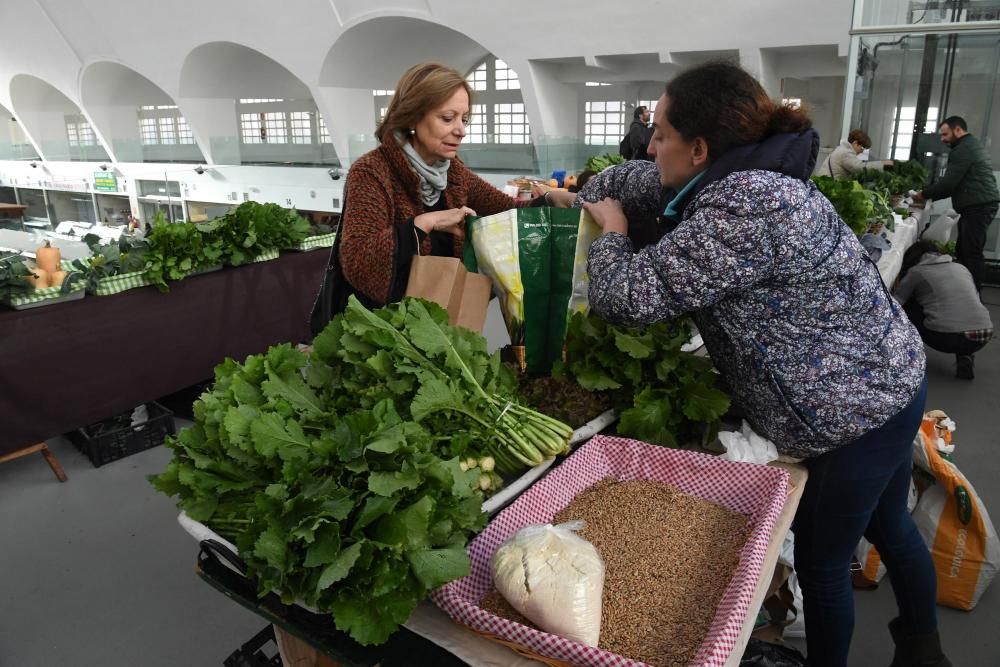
(252,229)
(176,250)
(852,202)
(126,255)
(663,395)
(599,163)
(351,480)
(13,272)
(442,376)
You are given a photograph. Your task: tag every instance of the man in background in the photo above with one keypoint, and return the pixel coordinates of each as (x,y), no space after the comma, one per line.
(633,145)
(970,183)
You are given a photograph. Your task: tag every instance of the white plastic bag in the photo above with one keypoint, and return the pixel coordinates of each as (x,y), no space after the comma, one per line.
(747,447)
(555,578)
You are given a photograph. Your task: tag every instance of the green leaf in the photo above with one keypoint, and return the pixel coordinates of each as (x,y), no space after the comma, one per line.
(271,547)
(703,403)
(649,420)
(340,567)
(369,622)
(389,484)
(408,527)
(637,347)
(375,507)
(436,567)
(326,548)
(272,434)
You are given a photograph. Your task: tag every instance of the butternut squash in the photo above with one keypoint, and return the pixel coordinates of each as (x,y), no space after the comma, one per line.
(56,278)
(47,258)
(40,279)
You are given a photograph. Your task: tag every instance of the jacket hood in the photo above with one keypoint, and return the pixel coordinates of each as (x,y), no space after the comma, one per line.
(934,258)
(792,154)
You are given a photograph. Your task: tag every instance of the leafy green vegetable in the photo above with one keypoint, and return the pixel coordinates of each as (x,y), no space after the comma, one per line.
(663,395)
(599,163)
(852,202)
(343,477)
(252,229)
(949,248)
(176,250)
(13,272)
(126,255)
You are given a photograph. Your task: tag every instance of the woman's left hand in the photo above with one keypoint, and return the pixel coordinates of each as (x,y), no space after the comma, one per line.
(609,215)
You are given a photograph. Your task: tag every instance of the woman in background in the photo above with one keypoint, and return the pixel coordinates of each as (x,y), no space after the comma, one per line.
(844,162)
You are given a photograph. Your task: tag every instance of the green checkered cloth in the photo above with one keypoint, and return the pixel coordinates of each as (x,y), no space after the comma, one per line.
(265,256)
(312,242)
(38,296)
(120,283)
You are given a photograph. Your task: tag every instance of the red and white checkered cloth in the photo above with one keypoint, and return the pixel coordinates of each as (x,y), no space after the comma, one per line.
(755,490)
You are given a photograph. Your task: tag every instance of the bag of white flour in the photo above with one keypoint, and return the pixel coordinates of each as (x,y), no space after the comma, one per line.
(555,578)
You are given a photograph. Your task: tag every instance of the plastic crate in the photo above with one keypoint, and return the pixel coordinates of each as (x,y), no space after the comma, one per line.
(103,443)
(252,653)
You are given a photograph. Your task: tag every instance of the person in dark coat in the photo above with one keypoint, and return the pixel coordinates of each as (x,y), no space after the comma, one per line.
(795,316)
(970,183)
(635,142)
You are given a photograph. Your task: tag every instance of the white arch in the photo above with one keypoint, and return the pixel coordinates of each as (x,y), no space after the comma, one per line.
(42,109)
(112,93)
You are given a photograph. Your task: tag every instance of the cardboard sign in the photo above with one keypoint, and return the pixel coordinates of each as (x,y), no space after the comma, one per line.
(446,282)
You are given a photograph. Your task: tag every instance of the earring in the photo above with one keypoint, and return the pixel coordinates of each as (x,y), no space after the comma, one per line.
(412,131)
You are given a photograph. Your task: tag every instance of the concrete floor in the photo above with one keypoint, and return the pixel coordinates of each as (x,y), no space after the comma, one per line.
(97,573)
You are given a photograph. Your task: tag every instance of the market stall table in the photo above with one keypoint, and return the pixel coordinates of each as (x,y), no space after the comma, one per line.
(68,365)
(429,623)
(11,210)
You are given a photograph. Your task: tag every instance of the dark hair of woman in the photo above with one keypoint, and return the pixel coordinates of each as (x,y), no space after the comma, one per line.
(722,103)
(914,253)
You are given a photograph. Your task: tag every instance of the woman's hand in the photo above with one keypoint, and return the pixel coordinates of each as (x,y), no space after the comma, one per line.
(608,214)
(561,198)
(449,221)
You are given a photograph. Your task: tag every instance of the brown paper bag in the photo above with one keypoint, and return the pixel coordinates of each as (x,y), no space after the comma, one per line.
(446,282)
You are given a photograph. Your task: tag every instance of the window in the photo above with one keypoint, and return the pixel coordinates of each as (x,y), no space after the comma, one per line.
(71,134)
(251,131)
(475,133)
(324,133)
(275,128)
(902,130)
(86,133)
(383,93)
(301,124)
(184,133)
(477,78)
(595,84)
(147,131)
(794,102)
(604,123)
(168,132)
(649,104)
(510,124)
(158,107)
(260,101)
(381,115)
(505,77)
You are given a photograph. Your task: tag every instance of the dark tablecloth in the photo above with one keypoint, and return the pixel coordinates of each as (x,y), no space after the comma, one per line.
(68,365)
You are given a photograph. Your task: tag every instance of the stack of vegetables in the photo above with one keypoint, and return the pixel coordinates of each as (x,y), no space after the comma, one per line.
(663,395)
(251,230)
(864,201)
(42,280)
(344,477)
(110,259)
(599,163)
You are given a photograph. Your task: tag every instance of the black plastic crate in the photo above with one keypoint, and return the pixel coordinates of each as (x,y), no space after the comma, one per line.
(117,437)
(253,654)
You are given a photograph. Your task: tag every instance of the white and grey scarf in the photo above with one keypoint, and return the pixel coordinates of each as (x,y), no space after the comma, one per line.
(433,178)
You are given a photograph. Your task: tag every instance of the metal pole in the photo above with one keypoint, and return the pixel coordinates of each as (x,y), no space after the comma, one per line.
(993,91)
(899,103)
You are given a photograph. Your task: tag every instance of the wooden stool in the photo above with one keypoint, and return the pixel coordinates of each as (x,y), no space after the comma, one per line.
(44,449)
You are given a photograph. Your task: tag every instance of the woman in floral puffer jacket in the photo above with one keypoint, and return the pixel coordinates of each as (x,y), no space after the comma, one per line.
(797,320)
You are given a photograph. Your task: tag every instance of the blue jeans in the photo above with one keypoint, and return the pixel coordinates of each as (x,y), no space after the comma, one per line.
(861,489)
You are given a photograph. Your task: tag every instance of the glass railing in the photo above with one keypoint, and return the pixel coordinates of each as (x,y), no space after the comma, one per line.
(926,12)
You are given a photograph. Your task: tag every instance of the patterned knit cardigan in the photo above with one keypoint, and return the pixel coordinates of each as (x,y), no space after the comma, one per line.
(382,192)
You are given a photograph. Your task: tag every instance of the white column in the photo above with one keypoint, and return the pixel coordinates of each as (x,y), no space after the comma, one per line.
(350,117)
(761,64)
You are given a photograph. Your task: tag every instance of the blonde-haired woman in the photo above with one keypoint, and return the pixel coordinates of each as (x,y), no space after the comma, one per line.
(411,194)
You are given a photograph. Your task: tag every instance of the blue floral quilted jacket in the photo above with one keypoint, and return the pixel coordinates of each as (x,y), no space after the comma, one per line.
(792,311)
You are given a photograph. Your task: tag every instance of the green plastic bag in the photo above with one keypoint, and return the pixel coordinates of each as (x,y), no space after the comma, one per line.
(537,260)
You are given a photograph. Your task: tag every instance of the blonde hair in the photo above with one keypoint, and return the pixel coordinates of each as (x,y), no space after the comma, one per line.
(421,89)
